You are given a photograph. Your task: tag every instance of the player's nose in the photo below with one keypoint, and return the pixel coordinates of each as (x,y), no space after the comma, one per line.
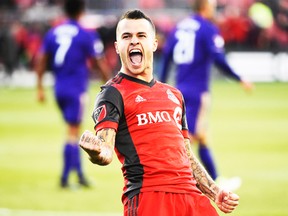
(134,40)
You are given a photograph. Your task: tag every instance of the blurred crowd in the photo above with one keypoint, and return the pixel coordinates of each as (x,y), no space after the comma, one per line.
(246,25)
(254,25)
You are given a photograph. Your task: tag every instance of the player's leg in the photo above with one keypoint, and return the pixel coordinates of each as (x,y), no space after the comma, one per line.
(74,117)
(197,112)
(67,164)
(205,152)
(62,103)
(75,163)
(72,108)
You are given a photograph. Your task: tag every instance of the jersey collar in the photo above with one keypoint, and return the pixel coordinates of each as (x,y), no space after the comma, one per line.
(133,79)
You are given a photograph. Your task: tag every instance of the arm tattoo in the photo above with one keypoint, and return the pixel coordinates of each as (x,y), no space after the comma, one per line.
(204,181)
(107,139)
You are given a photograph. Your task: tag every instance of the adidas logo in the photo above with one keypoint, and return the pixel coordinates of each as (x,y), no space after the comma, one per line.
(139,99)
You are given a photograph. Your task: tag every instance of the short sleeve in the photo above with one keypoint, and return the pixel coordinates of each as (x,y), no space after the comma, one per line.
(108,109)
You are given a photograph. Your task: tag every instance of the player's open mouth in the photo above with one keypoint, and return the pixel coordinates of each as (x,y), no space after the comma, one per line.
(135,56)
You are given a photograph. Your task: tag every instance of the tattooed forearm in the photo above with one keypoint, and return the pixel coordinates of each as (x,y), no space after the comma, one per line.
(107,135)
(204,181)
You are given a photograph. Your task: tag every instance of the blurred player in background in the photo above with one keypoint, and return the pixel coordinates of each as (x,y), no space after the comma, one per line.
(145,122)
(193,46)
(68,47)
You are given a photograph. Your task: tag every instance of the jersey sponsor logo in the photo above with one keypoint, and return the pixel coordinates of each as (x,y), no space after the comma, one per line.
(159,117)
(99,113)
(139,99)
(172,97)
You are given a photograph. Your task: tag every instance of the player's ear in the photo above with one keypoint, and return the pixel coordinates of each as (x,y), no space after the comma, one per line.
(155,45)
(116,47)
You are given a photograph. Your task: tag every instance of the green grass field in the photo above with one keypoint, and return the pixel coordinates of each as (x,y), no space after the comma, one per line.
(249,134)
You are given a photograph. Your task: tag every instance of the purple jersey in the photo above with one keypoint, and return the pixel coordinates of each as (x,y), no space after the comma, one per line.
(69,46)
(194,45)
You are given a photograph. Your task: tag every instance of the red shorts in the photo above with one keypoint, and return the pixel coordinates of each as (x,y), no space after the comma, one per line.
(169,204)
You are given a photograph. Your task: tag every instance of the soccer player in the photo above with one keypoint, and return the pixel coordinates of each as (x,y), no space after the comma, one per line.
(68,47)
(194,45)
(144,121)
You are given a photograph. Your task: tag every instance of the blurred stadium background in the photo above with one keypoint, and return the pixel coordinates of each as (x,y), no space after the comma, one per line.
(250,130)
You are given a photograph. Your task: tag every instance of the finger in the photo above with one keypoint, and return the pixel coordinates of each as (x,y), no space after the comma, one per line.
(227,202)
(90,148)
(229,196)
(233,196)
(90,142)
(82,138)
(88,138)
(231,199)
(230,203)
(86,134)
(226,208)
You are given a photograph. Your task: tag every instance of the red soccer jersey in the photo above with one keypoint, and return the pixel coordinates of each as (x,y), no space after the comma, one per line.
(151,125)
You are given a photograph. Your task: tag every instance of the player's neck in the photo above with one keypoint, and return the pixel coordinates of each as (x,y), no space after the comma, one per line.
(144,76)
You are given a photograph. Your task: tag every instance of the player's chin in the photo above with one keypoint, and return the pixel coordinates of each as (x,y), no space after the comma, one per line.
(136,69)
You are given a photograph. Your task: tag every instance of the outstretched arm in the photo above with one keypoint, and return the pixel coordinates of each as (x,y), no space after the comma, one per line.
(99,147)
(221,62)
(225,200)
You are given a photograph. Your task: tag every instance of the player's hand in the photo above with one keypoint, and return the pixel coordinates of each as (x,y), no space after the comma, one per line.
(41,96)
(91,144)
(227,201)
(246,85)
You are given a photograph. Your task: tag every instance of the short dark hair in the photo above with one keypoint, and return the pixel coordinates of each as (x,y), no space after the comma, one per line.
(137,14)
(74,7)
(198,5)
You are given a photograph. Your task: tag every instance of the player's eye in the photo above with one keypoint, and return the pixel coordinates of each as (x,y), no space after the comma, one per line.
(125,36)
